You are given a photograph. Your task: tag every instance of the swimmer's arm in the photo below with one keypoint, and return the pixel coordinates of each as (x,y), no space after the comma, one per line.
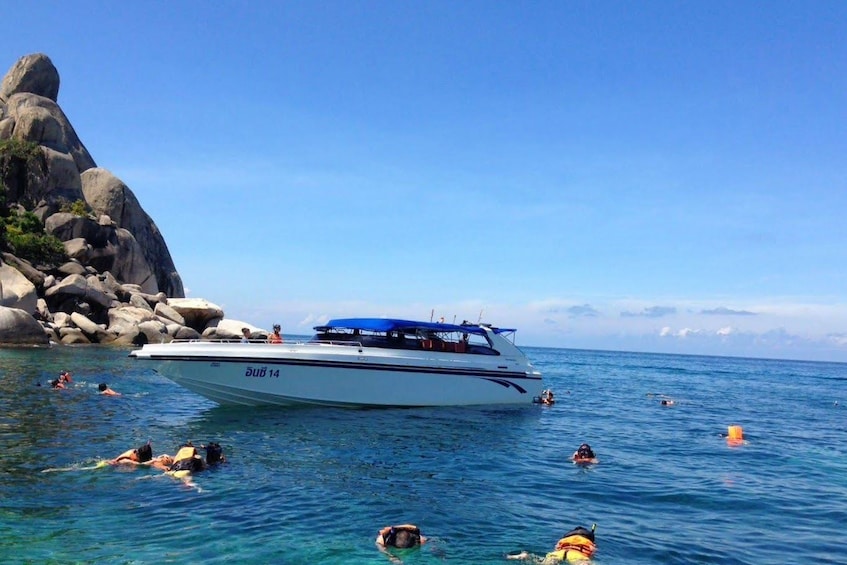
(387,553)
(123,461)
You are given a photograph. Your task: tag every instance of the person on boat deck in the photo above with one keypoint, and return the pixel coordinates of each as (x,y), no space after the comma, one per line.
(135,456)
(402,536)
(245,335)
(584,454)
(104,389)
(547,397)
(275,337)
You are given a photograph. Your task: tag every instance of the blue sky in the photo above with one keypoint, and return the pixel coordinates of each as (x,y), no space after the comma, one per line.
(662,176)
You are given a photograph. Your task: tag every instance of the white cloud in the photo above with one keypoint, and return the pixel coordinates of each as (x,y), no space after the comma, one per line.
(686,332)
(838,339)
(667,331)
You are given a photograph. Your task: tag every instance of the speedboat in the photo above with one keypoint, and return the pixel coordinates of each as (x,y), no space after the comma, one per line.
(357,362)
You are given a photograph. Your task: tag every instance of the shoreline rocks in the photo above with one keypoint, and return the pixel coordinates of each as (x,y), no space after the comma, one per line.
(97,309)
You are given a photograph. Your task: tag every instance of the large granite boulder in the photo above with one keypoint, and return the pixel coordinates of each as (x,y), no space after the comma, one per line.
(104,247)
(33,275)
(231,330)
(63,183)
(16,291)
(33,73)
(197,312)
(76,286)
(125,317)
(168,314)
(41,120)
(108,195)
(94,332)
(18,327)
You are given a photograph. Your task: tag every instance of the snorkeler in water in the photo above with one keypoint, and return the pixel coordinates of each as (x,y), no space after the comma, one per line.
(136,456)
(584,454)
(576,546)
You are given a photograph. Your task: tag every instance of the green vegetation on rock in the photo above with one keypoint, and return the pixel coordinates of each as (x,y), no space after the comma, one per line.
(77,208)
(23,233)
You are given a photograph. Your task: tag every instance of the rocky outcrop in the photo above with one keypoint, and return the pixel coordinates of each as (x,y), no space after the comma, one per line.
(197,312)
(120,280)
(82,309)
(105,247)
(39,119)
(16,291)
(18,327)
(108,196)
(131,247)
(34,74)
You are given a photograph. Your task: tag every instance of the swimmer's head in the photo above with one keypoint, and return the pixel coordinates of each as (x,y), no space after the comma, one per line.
(144,453)
(103,386)
(584,451)
(581,531)
(405,538)
(214,453)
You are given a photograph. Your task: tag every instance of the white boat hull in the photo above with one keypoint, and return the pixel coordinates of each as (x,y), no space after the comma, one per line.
(342,375)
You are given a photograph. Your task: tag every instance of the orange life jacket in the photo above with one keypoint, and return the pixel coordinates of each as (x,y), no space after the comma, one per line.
(577,543)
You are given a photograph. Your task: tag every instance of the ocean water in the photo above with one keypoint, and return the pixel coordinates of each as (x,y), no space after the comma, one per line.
(313,485)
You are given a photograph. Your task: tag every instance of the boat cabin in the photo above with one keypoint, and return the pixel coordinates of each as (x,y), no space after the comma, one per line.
(402,334)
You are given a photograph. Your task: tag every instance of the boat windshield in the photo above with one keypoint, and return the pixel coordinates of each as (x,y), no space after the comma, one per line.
(452,339)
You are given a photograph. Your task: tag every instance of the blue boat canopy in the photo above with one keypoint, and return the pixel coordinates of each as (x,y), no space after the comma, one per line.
(408,326)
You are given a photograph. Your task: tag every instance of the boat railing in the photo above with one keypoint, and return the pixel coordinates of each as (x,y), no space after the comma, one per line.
(334,342)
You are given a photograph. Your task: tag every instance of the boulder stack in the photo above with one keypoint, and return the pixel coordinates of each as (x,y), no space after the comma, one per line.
(120,285)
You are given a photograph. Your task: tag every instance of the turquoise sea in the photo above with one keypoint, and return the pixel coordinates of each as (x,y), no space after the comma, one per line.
(314,485)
